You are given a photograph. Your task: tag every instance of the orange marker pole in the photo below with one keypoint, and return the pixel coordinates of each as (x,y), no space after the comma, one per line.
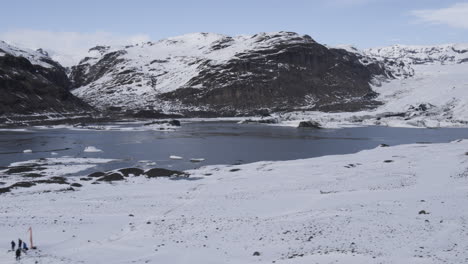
(30,238)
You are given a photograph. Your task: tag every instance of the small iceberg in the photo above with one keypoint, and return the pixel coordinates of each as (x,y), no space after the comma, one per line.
(53,153)
(92,149)
(197,160)
(175,157)
(27,151)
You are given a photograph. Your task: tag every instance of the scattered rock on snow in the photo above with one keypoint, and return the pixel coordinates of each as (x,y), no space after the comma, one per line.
(160,172)
(131,171)
(96,174)
(22,185)
(111,177)
(310,124)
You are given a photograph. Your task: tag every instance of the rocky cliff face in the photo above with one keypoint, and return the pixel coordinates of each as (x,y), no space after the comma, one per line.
(31,83)
(228,75)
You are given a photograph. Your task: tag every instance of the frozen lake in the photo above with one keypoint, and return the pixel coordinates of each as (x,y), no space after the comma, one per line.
(216,142)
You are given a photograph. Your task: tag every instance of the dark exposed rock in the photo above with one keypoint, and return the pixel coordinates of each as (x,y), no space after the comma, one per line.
(33,175)
(309,124)
(160,172)
(112,177)
(21,169)
(85,179)
(423,212)
(22,185)
(153,114)
(5,190)
(256,253)
(384,145)
(261,121)
(388,161)
(28,88)
(75,184)
(134,171)
(234,170)
(53,180)
(96,174)
(172,122)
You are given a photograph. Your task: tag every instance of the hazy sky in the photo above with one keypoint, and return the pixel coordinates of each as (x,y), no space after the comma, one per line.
(71,26)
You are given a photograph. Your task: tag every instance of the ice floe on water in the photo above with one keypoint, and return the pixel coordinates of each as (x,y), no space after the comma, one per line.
(27,151)
(174,157)
(92,149)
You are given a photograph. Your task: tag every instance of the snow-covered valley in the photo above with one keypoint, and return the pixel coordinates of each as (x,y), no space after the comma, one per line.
(387,205)
(155,191)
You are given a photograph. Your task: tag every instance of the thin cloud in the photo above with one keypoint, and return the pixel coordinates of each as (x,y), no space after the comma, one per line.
(68,48)
(455,15)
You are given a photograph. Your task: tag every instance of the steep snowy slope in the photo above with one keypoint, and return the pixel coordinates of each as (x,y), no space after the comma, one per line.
(434,94)
(30,82)
(443,54)
(212,72)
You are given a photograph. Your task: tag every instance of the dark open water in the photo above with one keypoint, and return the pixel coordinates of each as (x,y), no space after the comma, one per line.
(217,142)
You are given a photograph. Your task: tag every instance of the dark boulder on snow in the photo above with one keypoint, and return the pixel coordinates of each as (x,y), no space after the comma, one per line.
(131,171)
(96,174)
(112,177)
(23,185)
(160,172)
(309,124)
(173,122)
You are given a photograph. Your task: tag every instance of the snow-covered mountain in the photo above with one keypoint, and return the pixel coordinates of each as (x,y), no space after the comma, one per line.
(31,82)
(430,91)
(226,75)
(440,54)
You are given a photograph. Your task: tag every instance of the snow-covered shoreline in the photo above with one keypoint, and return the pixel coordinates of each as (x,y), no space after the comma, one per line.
(401,204)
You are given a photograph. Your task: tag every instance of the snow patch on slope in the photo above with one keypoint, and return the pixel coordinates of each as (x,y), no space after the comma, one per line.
(35,57)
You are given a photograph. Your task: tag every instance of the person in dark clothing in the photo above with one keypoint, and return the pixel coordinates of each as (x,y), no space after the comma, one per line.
(13,244)
(20,243)
(18,254)
(25,247)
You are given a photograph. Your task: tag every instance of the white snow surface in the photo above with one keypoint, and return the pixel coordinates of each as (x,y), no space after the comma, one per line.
(34,57)
(336,209)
